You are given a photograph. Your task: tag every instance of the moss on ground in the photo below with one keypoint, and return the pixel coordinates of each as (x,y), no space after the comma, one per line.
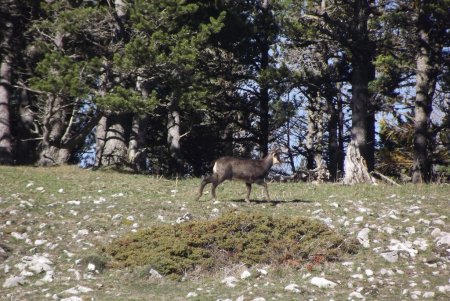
(235,237)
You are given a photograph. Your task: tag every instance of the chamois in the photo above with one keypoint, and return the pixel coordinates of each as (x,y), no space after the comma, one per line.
(246,170)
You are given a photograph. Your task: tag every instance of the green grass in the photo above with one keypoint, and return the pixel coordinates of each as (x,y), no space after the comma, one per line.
(111,205)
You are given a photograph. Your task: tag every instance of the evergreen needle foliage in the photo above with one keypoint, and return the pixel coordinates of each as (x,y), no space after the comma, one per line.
(235,237)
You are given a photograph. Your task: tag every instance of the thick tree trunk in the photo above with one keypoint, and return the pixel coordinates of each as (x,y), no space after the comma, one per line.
(115,149)
(363,72)
(137,154)
(136,151)
(425,85)
(355,167)
(173,138)
(6,144)
(53,131)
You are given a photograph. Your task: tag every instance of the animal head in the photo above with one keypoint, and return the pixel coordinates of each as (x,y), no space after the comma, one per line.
(275,154)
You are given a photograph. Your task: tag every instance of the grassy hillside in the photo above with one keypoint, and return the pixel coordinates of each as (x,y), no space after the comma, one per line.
(54,223)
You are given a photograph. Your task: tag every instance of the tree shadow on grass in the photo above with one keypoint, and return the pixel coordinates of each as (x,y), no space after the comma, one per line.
(272,202)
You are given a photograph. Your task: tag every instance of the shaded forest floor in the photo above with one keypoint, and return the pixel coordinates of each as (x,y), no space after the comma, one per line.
(55,221)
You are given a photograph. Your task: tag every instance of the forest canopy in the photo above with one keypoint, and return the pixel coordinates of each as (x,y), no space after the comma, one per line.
(165,87)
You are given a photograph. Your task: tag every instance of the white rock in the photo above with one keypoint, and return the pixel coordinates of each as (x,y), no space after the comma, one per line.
(245,274)
(61,190)
(359,219)
(262,271)
(388,230)
(438,221)
(357,295)
(72,298)
(35,263)
(186,217)
(294,288)
(369,272)
(155,274)
(428,295)
(39,242)
(444,288)
(191,295)
(19,236)
(259,299)
(230,281)
(390,256)
(79,289)
(13,281)
(406,246)
(443,239)
(322,282)
(91,267)
(363,237)
(83,232)
(436,232)
(49,276)
(411,230)
(130,218)
(421,244)
(117,217)
(76,203)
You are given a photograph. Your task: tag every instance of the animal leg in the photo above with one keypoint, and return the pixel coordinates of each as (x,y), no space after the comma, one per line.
(266,191)
(205,182)
(215,182)
(249,190)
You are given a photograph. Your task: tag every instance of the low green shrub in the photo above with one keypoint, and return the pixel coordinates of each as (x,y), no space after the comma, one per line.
(235,237)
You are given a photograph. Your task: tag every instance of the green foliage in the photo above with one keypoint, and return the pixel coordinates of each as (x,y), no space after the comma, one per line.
(395,153)
(249,238)
(59,74)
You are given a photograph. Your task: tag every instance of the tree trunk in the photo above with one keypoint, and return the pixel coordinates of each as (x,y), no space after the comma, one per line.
(53,124)
(311,134)
(425,85)
(333,143)
(6,145)
(355,167)
(100,140)
(264,97)
(173,138)
(314,140)
(136,147)
(363,72)
(115,148)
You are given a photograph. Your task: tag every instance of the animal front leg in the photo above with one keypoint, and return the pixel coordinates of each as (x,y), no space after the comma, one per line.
(249,190)
(202,186)
(266,190)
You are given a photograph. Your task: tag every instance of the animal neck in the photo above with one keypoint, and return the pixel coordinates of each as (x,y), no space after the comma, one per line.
(268,161)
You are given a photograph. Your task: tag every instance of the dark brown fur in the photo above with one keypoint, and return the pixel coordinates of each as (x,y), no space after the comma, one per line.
(246,170)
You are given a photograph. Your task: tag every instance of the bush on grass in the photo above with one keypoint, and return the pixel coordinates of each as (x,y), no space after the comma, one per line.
(249,238)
